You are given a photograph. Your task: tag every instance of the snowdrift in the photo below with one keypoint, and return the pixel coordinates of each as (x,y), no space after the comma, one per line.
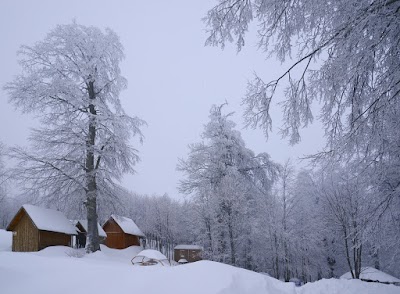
(373,275)
(5,240)
(336,286)
(64,270)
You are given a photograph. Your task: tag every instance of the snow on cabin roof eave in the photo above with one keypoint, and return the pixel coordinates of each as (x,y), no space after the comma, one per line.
(127,225)
(48,220)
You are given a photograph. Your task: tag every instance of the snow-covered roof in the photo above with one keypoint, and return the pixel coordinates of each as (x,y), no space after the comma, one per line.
(188,247)
(127,225)
(151,254)
(49,220)
(84,224)
(373,274)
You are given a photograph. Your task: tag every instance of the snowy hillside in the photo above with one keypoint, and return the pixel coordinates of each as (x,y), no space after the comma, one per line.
(64,270)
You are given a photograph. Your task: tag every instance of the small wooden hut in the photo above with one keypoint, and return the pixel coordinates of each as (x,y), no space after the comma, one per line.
(190,253)
(35,228)
(122,232)
(82,227)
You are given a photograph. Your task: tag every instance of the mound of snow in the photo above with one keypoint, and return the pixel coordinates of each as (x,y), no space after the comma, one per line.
(152,254)
(373,274)
(150,257)
(121,254)
(110,271)
(340,286)
(105,254)
(5,240)
(57,251)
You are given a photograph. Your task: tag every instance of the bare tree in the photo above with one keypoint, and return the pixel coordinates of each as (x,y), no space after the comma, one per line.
(72,81)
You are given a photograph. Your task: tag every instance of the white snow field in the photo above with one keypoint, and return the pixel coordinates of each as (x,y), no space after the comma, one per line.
(63,270)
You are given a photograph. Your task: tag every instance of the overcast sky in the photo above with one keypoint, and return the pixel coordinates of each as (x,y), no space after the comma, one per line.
(173,79)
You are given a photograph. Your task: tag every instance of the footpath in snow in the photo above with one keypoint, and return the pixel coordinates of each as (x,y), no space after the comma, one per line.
(64,270)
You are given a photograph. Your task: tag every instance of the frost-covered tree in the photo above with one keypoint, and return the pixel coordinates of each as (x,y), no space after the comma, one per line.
(291,227)
(225,179)
(346,56)
(3,190)
(356,43)
(309,255)
(9,205)
(72,81)
(349,212)
(286,178)
(3,176)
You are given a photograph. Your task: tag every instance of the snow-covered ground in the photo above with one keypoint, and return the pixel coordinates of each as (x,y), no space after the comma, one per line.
(5,241)
(64,270)
(372,274)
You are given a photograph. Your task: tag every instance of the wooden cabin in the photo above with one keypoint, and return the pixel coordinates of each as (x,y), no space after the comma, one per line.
(82,227)
(122,232)
(190,253)
(35,228)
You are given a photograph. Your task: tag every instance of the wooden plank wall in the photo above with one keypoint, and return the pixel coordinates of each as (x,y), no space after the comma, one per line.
(47,239)
(131,240)
(115,235)
(25,236)
(116,238)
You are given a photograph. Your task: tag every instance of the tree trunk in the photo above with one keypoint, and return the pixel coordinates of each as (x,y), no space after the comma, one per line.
(93,241)
(277,274)
(231,241)
(347,251)
(358,263)
(375,256)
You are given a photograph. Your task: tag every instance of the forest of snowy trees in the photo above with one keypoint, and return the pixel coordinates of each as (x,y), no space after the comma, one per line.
(338,214)
(249,211)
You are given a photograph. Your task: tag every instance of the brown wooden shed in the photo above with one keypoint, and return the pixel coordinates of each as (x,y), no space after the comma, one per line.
(189,252)
(35,228)
(122,232)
